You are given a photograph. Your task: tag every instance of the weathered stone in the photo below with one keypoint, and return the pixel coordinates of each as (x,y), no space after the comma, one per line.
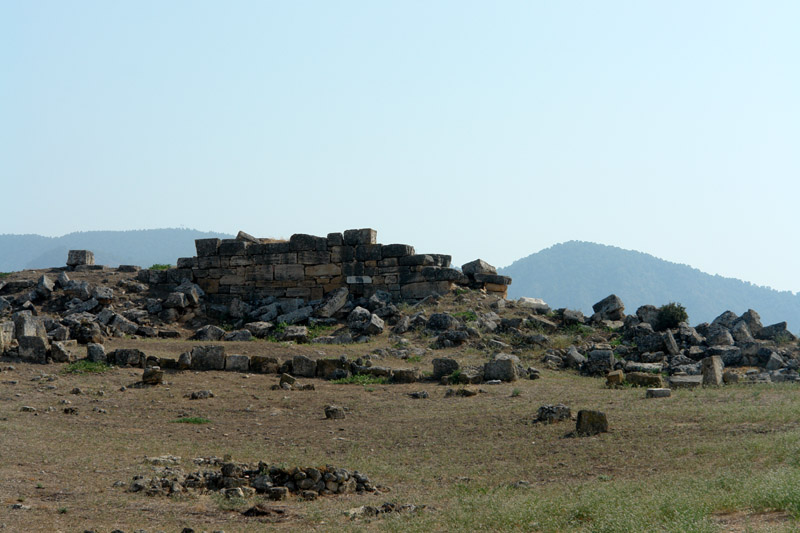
(658,393)
(208,333)
(405,375)
(444,366)
(396,250)
(327,367)
(418,291)
(32,349)
(96,353)
(753,321)
(297,316)
(572,317)
(550,414)
(208,358)
(176,300)
(685,382)
(478,266)
(332,303)
(599,362)
(334,412)
(153,375)
(591,423)
(741,332)
(237,363)
(774,362)
(610,308)
(726,320)
(262,364)
(670,344)
(615,378)
(502,367)
(127,357)
(712,371)
(297,334)
(80,257)
(718,335)
(241,335)
(644,379)
(64,351)
(45,287)
(776,332)
(442,322)
(303,366)
(573,358)
(354,237)
(648,314)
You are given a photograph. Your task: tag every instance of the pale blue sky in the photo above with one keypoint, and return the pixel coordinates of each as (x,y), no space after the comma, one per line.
(479,129)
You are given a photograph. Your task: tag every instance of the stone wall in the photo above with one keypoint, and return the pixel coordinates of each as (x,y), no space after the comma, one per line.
(309,267)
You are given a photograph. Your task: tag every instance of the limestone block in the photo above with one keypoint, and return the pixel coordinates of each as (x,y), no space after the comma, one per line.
(354,237)
(342,254)
(591,423)
(80,257)
(289,272)
(368,252)
(313,257)
(207,247)
(208,358)
(232,247)
(237,363)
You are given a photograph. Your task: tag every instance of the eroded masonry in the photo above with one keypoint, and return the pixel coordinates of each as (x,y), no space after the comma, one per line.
(309,267)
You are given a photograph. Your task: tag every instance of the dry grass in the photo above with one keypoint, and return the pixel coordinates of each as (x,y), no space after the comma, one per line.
(708,460)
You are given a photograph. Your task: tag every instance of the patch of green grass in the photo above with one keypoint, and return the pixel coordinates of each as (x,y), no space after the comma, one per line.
(318,330)
(466,316)
(362,379)
(277,331)
(459,292)
(159,266)
(62,510)
(85,367)
(191,420)
(229,504)
(579,330)
(515,393)
(4,274)
(414,359)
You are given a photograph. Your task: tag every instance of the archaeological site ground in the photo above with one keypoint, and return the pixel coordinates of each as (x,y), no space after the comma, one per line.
(339,384)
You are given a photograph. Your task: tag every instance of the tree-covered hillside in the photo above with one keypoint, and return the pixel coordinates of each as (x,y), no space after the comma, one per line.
(112,248)
(578,274)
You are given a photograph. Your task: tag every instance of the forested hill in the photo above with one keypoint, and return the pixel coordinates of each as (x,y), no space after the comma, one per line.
(112,248)
(578,274)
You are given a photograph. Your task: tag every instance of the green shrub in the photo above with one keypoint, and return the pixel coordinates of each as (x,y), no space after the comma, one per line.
(4,274)
(85,367)
(669,316)
(362,379)
(279,328)
(466,316)
(159,266)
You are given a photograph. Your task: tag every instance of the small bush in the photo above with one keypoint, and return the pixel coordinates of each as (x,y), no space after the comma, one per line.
(318,330)
(466,316)
(279,328)
(362,379)
(159,266)
(85,367)
(4,274)
(191,420)
(515,393)
(670,315)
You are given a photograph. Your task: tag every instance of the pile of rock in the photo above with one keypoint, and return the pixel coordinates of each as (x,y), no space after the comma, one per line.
(241,480)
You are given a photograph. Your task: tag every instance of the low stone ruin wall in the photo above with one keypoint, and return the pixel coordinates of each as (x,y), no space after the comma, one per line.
(309,267)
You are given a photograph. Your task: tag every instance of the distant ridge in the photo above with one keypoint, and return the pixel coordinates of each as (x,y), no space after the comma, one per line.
(112,248)
(577,274)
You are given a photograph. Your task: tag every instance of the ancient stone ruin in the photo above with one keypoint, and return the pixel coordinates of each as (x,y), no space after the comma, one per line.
(309,267)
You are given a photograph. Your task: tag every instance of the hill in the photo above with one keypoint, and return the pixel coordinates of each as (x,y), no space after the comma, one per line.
(112,248)
(578,274)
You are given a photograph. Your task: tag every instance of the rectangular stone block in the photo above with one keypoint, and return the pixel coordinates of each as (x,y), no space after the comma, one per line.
(210,286)
(289,272)
(396,250)
(359,280)
(187,262)
(284,258)
(259,273)
(313,258)
(32,349)
(237,363)
(368,252)
(232,279)
(298,292)
(335,239)
(208,262)
(387,262)
(256,249)
(276,248)
(354,237)
(300,242)
(441,260)
(342,254)
(330,270)
(316,293)
(208,358)
(416,260)
(241,260)
(232,247)
(207,247)
(80,257)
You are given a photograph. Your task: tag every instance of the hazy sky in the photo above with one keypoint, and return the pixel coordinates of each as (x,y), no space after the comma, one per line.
(479,129)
